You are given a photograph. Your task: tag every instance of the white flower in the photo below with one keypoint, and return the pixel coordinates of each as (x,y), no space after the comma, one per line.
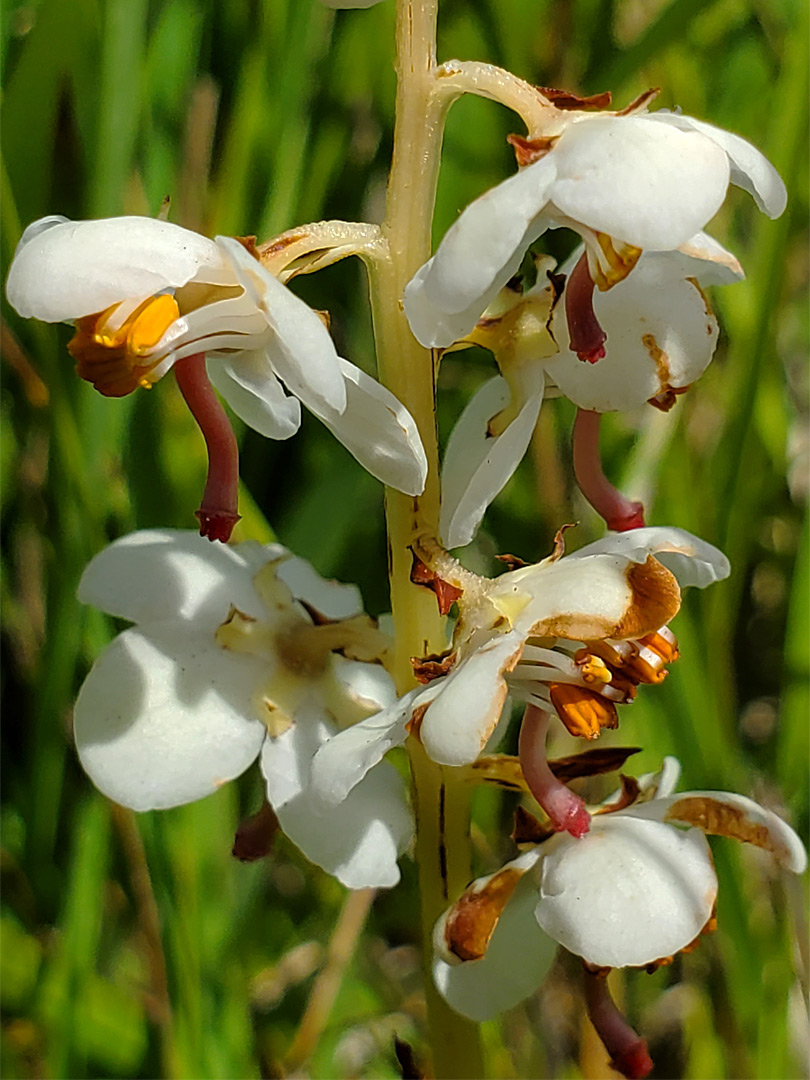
(599,610)
(636,890)
(233,657)
(625,183)
(146,293)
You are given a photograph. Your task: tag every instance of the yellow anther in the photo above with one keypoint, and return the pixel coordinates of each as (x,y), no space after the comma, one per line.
(593,668)
(151,322)
(584,712)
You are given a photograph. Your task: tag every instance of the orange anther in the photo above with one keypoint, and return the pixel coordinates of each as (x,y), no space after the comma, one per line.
(584,712)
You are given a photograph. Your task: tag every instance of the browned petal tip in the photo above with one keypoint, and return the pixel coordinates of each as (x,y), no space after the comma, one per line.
(528,829)
(249,244)
(471,921)
(638,103)
(723,819)
(446,594)
(273,247)
(433,666)
(527,151)
(567,99)
(656,599)
(592,762)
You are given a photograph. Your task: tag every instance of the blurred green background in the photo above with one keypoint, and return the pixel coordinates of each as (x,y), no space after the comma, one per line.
(139,947)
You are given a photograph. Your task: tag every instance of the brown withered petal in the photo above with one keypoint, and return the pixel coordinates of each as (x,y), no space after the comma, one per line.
(656,599)
(446,594)
(472,920)
(527,151)
(433,666)
(513,562)
(721,819)
(630,792)
(528,829)
(409,1067)
(638,103)
(249,244)
(592,762)
(566,99)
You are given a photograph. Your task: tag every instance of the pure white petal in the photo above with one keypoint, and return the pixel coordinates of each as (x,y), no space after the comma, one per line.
(369,685)
(74,268)
(724,813)
(301,350)
(477,466)
(333,599)
(660,335)
(247,382)
(344,760)
(706,259)
(650,185)
(166,718)
(516,962)
(750,169)
(690,559)
(461,719)
(627,893)
(478,255)
(159,574)
(358,840)
(378,431)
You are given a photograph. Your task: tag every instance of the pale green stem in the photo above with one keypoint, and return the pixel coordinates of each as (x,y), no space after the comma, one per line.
(441,802)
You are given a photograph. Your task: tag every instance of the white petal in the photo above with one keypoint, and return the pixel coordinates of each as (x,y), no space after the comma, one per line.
(706,259)
(166,718)
(750,169)
(247,382)
(159,574)
(477,256)
(301,352)
(722,813)
(690,559)
(647,184)
(378,431)
(333,599)
(74,268)
(660,335)
(515,963)
(627,893)
(358,840)
(369,685)
(476,466)
(343,761)
(459,722)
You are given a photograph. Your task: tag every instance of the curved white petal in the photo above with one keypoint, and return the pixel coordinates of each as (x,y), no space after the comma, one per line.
(628,893)
(378,431)
(358,840)
(477,466)
(478,255)
(690,559)
(302,352)
(517,960)
(368,685)
(706,259)
(342,762)
(247,382)
(458,723)
(750,169)
(64,269)
(661,335)
(159,574)
(166,718)
(650,185)
(723,813)
(332,599)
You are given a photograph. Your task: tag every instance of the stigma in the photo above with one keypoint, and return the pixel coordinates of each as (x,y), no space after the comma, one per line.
(115,350)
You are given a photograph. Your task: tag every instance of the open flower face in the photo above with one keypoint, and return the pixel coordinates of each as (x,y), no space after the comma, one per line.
(574,634)
(626,184)
(144,294)
(639,888)
(238,653)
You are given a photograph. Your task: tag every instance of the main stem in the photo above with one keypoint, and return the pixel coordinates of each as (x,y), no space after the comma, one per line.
(441,801)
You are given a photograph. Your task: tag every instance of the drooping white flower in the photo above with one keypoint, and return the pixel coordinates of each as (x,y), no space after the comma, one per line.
(626,184)
(636,890)
(573,634)
(145,294)
(233,657)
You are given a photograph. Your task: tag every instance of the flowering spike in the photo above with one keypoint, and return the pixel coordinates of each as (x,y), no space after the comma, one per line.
(619,512)
(586,335)
(628,1051)
(565,809)
(217,514)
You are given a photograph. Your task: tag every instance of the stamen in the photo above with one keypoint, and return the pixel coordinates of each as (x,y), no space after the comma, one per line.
(218,510)
(628,1051)
(619,512)
(566,810)
(584,712)
(586,336)
(115,353)
(644,660)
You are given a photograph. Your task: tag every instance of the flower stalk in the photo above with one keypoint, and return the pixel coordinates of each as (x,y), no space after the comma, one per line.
(441,801)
